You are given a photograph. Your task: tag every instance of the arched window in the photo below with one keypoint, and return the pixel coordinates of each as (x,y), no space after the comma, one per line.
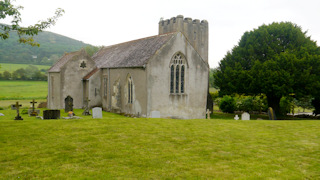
(177,78)
(130,90)
(172,79)
(177,74)
(182,80)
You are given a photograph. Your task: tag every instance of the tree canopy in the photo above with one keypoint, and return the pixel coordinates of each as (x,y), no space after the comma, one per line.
(276,60)
(7,9)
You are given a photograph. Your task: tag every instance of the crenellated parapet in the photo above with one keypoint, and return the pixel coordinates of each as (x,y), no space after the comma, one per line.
(196,31)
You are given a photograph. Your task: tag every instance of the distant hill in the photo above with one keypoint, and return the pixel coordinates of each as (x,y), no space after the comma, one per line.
(52,47)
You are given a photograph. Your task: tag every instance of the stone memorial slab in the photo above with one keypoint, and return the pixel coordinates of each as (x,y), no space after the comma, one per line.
(1,114)
(155,114)
(13,107)
(68,104)
(271,114)
(245,116)
(51,114)
(36,110)
(97,112)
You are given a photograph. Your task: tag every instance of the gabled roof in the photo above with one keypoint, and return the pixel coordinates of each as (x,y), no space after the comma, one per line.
(64,59)
(130,54)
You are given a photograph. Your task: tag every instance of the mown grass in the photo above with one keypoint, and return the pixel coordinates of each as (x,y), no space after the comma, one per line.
(118,147)
(18,90)
(12,67)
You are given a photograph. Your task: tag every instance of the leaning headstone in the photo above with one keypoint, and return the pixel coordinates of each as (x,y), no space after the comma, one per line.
(18,117)
(208,113)
(155,114)
(51,114)
(86,111)
(271,114)
(236,117)
(97,112)
(245,116)
(68,102)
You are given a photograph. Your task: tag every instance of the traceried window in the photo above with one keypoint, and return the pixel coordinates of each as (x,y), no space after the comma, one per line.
(130,90)
(177,74)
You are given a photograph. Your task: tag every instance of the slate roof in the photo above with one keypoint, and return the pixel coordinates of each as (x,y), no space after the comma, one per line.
(130,54)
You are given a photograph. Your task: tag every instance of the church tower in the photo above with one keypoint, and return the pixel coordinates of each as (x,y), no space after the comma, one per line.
(195,31)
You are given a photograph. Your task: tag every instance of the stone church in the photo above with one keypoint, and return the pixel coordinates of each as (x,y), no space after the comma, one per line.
(159,76)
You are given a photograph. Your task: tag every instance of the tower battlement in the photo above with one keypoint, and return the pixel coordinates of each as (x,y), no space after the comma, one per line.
(195,30)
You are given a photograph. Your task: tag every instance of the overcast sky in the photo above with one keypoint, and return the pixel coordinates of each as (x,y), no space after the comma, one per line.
(107,22)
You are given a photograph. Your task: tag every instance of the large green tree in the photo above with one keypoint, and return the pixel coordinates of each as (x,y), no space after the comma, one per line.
(7,9)
(276,60)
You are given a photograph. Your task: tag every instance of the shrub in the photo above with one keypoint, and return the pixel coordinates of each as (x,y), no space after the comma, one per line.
(286,104)
(252,103)
(227,104)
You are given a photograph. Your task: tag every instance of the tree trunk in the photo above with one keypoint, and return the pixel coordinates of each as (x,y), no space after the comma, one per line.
(274,102)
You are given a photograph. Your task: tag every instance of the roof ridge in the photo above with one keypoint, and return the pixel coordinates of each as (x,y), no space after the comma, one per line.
(131,41)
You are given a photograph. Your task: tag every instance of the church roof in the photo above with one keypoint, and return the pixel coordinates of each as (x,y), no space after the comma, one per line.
(64,59)
(130,54)
(86,77)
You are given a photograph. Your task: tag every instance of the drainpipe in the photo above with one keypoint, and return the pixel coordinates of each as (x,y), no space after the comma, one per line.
(109,90)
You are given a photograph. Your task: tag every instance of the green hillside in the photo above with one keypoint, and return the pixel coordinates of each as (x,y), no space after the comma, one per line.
(52,47)
(12,67)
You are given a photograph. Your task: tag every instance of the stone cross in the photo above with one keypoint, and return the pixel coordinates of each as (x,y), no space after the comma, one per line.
(236,117)
(33,113)
(208,113)
(86,111)
(18,117)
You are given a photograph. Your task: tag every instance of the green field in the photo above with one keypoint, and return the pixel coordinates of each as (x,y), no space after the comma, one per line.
(18,90)
(13,67)
(118,147)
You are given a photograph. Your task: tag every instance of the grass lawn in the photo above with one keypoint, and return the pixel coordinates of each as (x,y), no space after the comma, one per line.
(118,147)
(17,90)
(13,67)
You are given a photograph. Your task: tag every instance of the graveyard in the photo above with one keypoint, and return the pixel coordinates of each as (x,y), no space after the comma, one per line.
(117,146)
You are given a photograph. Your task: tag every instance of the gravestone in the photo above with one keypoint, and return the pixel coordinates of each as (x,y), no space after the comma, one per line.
(18,117)
(1,114)
(13,107)
(86,111)
(97,112)
(245,116)
(68,104)
(36,110)
(155,114)
(208,113)
(236,117)
(51,114)
(271,114)
(33,112)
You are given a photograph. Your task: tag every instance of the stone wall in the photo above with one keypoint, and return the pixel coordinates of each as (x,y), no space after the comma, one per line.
(188,105)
